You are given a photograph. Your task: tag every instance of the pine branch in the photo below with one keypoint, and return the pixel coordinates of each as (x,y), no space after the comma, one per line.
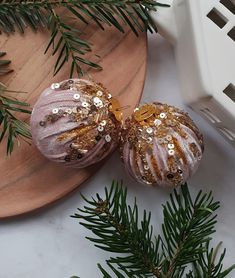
(186,230)
(187,225)
(206,265)
(4,69)
(10,126)
(66,40)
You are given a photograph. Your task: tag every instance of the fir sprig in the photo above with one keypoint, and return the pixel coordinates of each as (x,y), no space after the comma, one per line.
(65,39)
(4,64)
(10,126)
(208,265)
(182,249)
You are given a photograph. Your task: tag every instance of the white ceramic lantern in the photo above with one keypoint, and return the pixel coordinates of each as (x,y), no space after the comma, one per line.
(203,33)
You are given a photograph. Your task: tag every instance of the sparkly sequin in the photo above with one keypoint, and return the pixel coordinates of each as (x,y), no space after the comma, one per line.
(168,137)
(99,93)
(146,167)
(55,86)
(76,96)
(85,112)
(79,156)
(161,140)
(103,123)
(170,176)
(157,122)
(149,130)
(42,123)
(55,110)
(114,107)
(144,112)
(108,138)
(100,128)
(99,105)
(68,110)
(97,100)
(171,146)
(85,104)
(74,110)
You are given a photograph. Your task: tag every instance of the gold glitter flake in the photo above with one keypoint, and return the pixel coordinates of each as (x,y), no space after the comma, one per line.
(144,112)
(115,109)
(194,149)
(74,133)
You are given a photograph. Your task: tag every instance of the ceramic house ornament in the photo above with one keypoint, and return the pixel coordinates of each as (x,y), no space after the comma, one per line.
(203,33)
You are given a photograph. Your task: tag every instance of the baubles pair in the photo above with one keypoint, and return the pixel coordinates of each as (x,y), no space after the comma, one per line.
(78,123)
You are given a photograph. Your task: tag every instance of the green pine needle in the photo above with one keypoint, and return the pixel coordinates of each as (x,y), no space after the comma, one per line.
(65,40)
(10,126)
(182,249)
(4,69)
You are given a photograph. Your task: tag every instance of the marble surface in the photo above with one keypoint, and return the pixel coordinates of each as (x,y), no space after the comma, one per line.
(50,244)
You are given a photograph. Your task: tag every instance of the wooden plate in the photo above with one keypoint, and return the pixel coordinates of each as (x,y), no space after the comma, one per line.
(28,180)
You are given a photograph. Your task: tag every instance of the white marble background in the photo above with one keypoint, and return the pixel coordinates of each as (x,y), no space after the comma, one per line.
(50,244)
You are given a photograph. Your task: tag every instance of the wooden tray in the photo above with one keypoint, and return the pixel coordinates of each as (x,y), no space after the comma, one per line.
(28,180)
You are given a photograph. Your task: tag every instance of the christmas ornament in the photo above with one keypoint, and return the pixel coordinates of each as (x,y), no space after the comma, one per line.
(76,122)
(161,145)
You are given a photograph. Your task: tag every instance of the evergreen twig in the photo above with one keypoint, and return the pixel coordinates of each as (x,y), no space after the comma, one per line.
(4,69)
(10,126)
(182,249)
(65,40)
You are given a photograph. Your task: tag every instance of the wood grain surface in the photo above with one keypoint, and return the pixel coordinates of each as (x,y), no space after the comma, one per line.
(29,181)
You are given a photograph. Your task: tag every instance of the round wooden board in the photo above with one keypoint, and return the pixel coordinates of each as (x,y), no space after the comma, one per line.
(28,180)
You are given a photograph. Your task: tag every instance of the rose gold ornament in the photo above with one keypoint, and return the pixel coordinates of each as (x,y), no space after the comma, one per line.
(161,145)
(75,122)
